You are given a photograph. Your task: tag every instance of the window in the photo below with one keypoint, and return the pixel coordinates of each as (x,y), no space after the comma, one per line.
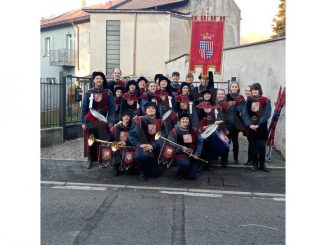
(68,41)
(47,46)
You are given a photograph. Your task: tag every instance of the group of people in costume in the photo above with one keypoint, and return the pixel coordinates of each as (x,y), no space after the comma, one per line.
(138,126)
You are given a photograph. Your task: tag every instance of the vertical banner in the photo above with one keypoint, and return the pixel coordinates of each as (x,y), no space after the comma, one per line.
(206,46)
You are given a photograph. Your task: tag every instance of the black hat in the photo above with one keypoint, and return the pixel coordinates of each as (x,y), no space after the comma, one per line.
(184,84)
(157,76)
(98,73)
(127,112)
(183,114)
(161,78)
(142,78)
(131,82)
(118,87)
(149,104)
(206,91)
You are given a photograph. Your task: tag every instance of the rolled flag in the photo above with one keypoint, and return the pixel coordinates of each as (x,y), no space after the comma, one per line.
(190,107)
(91,98)
(170,102)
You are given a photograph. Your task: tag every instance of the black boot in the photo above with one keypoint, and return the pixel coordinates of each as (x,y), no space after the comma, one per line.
(116,172)
(263,167)
(89,163)
(142,176)
(254,166)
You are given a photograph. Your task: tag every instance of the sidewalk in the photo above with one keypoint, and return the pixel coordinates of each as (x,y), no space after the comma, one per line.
(73,150)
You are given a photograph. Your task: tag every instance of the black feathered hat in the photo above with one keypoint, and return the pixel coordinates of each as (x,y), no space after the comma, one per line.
(118,87)
(183,114)
(206,91)
(149,104)
(98,73)
(127,112)
(157,76)
(184,84)
(142,78)
(161,78)
(131,82)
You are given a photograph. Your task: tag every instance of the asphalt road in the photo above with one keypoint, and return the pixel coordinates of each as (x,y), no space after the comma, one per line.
(82,214)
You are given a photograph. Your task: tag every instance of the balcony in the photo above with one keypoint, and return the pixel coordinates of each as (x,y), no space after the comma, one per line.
(62,57)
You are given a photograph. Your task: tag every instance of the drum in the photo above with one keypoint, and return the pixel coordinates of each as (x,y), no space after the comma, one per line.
(170,119)
(215,142)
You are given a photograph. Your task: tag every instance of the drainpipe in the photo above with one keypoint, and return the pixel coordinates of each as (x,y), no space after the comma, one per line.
(77,44)
(135,40)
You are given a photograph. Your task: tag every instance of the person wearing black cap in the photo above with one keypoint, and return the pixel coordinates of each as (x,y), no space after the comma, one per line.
(116,79)
(97,115)
(165,93)
(236,102)
(142,84)
(150,96)
(189,137)
(119,133)
(118,90)
(142,135)
(256,113)
(129,101)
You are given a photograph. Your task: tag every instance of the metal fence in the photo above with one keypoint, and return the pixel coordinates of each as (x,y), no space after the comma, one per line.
(50,103)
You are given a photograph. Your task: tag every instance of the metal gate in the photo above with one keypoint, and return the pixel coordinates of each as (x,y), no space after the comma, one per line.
(74,89)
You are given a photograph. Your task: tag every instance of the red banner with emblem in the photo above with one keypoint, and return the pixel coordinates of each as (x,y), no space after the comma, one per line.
(206,47)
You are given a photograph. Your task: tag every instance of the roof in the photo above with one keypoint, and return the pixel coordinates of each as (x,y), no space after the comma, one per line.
(146,4)
(77,15)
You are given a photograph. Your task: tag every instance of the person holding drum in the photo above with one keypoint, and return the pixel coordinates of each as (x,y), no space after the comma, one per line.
(236,102)
(189,137)
(142,85)
(97,116)
(129,101)
(142,135)
(151,96)
(208,113)
(119,133)
(256,113)
(118,91)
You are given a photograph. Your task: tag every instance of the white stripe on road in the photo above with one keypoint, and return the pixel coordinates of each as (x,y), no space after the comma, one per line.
(191,194)
(75,187)
(272,228)
(279,199)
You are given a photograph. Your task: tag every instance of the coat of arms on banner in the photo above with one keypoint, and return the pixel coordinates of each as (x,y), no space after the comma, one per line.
(255,106)
(206,45)
(106,153)
(168,152)
(151,129)
(128,157)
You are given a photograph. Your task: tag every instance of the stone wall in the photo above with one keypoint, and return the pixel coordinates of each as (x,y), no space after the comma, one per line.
(51,136)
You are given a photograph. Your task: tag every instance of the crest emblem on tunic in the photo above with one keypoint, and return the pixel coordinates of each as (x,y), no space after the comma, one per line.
(123,135)
(98,97)
(206,45)
(130,102)
(183,106)
(151,129)
(207,110)
(187,138)
(163,97)
(255,106)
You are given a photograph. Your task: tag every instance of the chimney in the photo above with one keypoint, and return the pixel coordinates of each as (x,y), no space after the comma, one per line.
(82,4)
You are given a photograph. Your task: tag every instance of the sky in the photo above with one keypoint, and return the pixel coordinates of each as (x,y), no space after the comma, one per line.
(255,25)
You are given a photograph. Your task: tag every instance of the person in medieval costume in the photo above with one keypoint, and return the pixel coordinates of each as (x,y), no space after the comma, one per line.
(247,97)
(189,137)
(175,85)
(204,85)
(208,114)
(142,85)
(142,135)
(129,101)
(123,158)
(256,113)
(236,101)
(118,91)
(150,96)
(97,116)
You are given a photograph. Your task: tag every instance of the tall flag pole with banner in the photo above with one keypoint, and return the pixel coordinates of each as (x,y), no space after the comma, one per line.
(206,48)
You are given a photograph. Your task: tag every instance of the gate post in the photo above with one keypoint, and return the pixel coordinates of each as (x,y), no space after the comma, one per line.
(63,97)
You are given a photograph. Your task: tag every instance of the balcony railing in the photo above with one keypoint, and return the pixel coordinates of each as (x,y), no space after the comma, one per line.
(62,57)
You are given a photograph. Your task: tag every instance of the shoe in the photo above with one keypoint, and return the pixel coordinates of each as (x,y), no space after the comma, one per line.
(89,164)
(248,162)
(254,167)
(224,165)
(263,167)
(236,162)
(116,172)
(142,177)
